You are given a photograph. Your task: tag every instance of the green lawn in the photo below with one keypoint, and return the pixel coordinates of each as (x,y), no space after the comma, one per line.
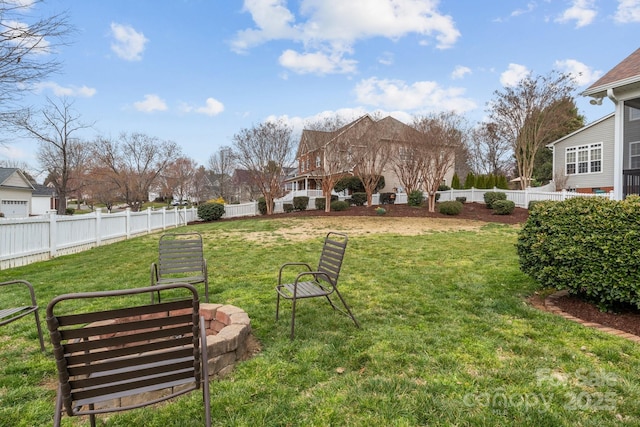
(447,337)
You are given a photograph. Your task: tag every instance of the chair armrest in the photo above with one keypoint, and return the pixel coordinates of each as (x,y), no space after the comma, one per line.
(291,264)
(27,285)
(315,275)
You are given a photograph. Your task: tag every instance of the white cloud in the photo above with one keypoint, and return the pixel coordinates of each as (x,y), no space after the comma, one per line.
(12,152)
(628,11)
(386,58)
(460,71)
(530,8)
(424,95)
(581,11)
(128,43)
(19,33)
(581,73)
(212,108)
(513,75)
(82,91)
(150,104)
(318,62)
(329,26)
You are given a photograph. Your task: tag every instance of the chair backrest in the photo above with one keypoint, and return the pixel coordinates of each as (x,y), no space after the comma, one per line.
(180,253)
(335,245)
(11,314)
(135,355)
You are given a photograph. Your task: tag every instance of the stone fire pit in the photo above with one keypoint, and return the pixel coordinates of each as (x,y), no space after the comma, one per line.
(228,329)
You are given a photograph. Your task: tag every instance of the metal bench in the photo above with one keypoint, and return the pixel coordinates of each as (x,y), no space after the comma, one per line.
(8,315)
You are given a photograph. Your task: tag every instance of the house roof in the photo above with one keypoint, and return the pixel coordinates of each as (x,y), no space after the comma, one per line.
(600,120)
(626,73)
(43,190)
(6,173)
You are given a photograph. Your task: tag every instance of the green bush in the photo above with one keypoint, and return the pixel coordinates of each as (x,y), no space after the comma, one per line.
(450,207)
(461,199)
(69,211)
(503,207)
(590,246)
(320,203)
(210,211)
(339,205)
(300,203)
(415,198)
(262,206)
(492,196)
(534,203)
(287,207)
(358,199)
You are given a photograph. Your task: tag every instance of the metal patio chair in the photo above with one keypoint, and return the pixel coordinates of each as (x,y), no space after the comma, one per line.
(321,282)
(125,358)
(11,314)
(180,260)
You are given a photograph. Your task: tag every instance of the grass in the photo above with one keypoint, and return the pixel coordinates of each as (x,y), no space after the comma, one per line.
(447,337)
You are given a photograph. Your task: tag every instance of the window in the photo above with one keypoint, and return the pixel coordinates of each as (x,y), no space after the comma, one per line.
(317,161)
(634,114)
(585,159)
(634,155)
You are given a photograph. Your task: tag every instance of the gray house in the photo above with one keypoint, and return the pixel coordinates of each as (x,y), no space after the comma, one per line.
(621,86)
(583,160)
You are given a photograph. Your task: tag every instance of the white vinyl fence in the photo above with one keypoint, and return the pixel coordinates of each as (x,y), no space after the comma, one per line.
(27,240)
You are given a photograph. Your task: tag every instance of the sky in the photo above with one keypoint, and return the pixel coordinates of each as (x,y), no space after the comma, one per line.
(197,72)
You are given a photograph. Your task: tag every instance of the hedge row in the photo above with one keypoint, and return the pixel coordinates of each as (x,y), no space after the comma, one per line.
(590,246)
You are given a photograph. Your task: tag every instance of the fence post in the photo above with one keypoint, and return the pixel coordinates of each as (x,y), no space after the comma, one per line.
(164,218)
(526,197)
(149,220)
(473,195)
(127,222)
(98,226)
(53,233)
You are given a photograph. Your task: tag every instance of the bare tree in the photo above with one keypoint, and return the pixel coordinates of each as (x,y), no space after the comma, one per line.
(221,167)
(489,152)
(372,152)
(201,188)
(406,162)
(265,150)
(327,144)
(26,48)
(529,113)
(177,178)
(60,153)
(438,137)
(133,164)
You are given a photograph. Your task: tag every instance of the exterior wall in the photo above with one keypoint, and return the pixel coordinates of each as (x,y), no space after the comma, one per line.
(600,132)
(631,134)
(40,205)
(13,195)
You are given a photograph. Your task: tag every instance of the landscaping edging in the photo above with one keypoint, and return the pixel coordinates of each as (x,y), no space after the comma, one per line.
(549,304)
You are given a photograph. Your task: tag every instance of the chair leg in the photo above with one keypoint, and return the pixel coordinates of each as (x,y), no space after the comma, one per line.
(293,317)
(39,330)
(277,305)
(348,309)
(206,394)
(58,411)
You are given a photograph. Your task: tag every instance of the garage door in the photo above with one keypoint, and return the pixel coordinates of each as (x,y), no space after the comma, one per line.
(14,208)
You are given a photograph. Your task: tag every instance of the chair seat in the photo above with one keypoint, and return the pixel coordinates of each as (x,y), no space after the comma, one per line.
(305,290)
(11,312)
(171,280)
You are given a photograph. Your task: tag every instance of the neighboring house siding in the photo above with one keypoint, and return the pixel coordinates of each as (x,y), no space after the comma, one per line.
(631,138)
(600,132)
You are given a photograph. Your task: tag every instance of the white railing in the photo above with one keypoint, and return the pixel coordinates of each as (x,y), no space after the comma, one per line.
(520,197)
(26,240)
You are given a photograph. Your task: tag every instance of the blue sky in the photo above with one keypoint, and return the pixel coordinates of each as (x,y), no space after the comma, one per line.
(198,71)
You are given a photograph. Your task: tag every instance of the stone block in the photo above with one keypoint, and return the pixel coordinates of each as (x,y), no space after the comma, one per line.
(208,311)
(218,363)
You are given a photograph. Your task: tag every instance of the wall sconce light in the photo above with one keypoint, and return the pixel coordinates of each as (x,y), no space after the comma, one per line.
(596,101)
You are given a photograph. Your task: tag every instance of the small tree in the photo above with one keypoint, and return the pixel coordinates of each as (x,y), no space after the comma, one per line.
(264,150)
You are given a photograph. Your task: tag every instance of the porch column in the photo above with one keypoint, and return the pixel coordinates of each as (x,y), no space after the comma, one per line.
(618,145)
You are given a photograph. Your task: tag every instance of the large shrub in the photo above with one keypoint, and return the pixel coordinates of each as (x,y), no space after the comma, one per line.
(415,198)
(300,203)
(492,196)
(358,199)
(503,207)
(590,246)
(210,211)
(262,206)
(320,201)
(339,205)
(387,198)
(287,207)
(450,207)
